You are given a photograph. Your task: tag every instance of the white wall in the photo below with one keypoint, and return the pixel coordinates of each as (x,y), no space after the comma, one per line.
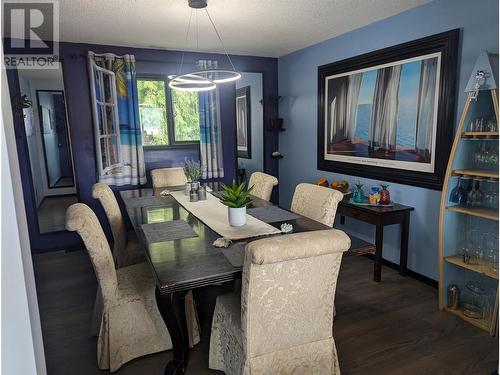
(22,345)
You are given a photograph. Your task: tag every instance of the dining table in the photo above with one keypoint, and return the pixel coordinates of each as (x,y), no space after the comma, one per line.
(181,265)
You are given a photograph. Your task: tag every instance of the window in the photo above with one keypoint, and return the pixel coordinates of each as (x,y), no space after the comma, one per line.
(186,116)
(153,112)
(168,117)
(106,112)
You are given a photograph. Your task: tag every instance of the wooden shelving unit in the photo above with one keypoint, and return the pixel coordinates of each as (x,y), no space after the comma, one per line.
(479,323)
(455,218)
(485,213)
(476,173)
(457,261)
(480,135)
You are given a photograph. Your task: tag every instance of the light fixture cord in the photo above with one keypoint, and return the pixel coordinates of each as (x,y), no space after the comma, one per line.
(197,34)
(220,39)
(185,42)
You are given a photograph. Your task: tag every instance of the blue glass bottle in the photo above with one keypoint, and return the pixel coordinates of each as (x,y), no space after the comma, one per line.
(456,192)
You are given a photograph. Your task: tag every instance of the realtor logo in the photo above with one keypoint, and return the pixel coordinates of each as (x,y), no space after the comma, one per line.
(31,34)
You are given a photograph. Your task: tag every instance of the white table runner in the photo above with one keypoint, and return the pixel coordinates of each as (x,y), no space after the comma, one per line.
(214,215)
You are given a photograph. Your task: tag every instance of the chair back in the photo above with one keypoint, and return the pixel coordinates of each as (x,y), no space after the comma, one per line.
(288,290)
(80,218)
(107,198)
(262,185)
(165,177)
(316,202)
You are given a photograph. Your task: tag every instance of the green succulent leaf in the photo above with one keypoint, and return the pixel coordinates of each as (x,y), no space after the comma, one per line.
(236,195)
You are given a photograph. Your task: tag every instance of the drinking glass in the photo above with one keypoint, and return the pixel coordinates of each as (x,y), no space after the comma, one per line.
(475,195)
(490,245)
(490,190)
(479,155)
(493,158)
(475,247)
(491,126)
(474,300)
(466,183)
(477,125)
(465,246)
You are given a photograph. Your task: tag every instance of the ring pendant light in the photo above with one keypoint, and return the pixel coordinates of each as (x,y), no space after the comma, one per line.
(202,80)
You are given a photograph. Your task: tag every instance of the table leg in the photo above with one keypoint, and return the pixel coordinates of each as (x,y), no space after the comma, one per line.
(403,258)
(379,242)
(172,311)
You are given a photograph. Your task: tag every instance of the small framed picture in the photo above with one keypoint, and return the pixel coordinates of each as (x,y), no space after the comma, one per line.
(243,123)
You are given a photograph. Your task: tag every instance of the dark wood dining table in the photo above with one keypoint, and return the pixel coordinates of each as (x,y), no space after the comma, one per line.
(185,264)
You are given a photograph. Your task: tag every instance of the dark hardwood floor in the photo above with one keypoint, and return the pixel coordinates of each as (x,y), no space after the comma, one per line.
(392,327)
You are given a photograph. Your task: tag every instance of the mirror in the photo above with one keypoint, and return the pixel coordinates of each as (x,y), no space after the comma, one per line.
(52,114)
(48,140)
(249,125)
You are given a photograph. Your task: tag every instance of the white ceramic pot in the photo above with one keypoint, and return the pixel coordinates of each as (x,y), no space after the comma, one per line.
(237,216)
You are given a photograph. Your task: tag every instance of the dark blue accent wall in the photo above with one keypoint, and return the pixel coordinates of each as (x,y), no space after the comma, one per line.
(152,62)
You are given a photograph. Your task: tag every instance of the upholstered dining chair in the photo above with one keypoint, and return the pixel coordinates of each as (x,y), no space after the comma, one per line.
(165,177)
(127,249)
(262,185)
(282,322)
(316,202)
(131,323)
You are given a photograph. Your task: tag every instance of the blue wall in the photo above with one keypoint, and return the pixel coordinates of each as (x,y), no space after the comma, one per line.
(149,61)
(297,76)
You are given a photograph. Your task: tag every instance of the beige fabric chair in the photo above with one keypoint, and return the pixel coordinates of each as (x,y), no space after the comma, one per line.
(127,249)
(316,202)
(131,323)
(165,177)
(282,324)
(262,185)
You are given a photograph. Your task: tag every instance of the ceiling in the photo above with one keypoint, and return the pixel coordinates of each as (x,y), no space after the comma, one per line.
(248,27)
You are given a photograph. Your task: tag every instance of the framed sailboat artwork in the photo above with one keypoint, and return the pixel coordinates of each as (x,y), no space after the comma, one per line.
(389,114)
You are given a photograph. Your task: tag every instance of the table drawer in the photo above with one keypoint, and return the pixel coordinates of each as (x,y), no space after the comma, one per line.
(358,214)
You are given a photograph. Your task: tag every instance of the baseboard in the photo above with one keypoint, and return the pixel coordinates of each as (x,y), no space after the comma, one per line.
(413,274)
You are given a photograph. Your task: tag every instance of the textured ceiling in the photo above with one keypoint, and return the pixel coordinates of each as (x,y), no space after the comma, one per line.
(248,27)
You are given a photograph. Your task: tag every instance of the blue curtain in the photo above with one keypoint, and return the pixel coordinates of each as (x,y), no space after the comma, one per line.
(130,168)
(210,128)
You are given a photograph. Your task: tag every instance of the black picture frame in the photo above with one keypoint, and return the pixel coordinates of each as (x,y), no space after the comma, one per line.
(447,44)
(244,92)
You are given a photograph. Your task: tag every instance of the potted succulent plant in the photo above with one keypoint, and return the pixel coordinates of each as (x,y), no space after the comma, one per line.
(236,197)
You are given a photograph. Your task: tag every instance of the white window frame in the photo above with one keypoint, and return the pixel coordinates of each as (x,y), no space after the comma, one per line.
(101,106)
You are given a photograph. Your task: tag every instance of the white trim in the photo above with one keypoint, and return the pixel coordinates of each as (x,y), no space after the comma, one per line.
(98,105)
(22,349)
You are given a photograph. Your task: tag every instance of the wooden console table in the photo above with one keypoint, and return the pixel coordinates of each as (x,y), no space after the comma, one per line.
(380,217)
